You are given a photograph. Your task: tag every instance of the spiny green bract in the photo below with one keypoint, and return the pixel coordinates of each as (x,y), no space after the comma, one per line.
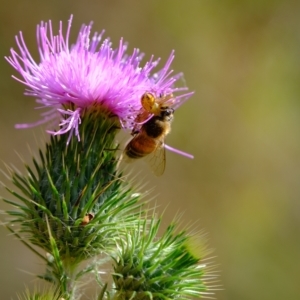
(46,294)
(74,200)
(147,267)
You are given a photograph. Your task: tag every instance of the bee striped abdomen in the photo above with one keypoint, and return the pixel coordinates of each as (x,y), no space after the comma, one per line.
(149,140)
(140,146)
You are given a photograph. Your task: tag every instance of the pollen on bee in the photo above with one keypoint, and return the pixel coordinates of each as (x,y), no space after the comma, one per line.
(149,103)
(153,104)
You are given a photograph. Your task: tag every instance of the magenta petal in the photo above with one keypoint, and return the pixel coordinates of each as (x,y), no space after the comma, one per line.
(179,152)
(88,73)
(70,124)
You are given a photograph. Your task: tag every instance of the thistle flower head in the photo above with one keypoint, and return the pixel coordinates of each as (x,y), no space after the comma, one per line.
(69,80)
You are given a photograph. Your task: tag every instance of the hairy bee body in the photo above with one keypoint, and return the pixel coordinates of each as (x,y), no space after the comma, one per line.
(150,140)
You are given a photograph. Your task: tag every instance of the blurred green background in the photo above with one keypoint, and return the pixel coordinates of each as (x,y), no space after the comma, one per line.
(243,60)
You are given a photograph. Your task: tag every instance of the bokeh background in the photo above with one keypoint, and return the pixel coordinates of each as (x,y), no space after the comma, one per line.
(243,60)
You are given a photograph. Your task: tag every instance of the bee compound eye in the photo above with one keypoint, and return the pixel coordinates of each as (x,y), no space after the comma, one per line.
(170,111)
(167,112)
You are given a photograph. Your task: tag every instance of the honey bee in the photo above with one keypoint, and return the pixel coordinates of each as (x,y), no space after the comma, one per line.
(149,140)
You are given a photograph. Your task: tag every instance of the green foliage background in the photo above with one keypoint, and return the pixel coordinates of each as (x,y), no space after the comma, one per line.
(243,60)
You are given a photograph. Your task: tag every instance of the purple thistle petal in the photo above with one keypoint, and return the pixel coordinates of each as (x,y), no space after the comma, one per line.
(70,124)
(87,74)
(179,152)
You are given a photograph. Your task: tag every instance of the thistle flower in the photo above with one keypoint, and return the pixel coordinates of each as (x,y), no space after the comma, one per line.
(74,203)
(70,80)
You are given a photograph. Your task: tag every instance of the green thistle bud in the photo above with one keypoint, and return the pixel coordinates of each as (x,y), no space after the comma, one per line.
(48,294)
(147,267)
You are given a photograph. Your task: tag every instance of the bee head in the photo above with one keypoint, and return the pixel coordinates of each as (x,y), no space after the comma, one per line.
(167,113)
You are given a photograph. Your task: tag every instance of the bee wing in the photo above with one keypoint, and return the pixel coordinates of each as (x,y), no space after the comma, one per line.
(157,159)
